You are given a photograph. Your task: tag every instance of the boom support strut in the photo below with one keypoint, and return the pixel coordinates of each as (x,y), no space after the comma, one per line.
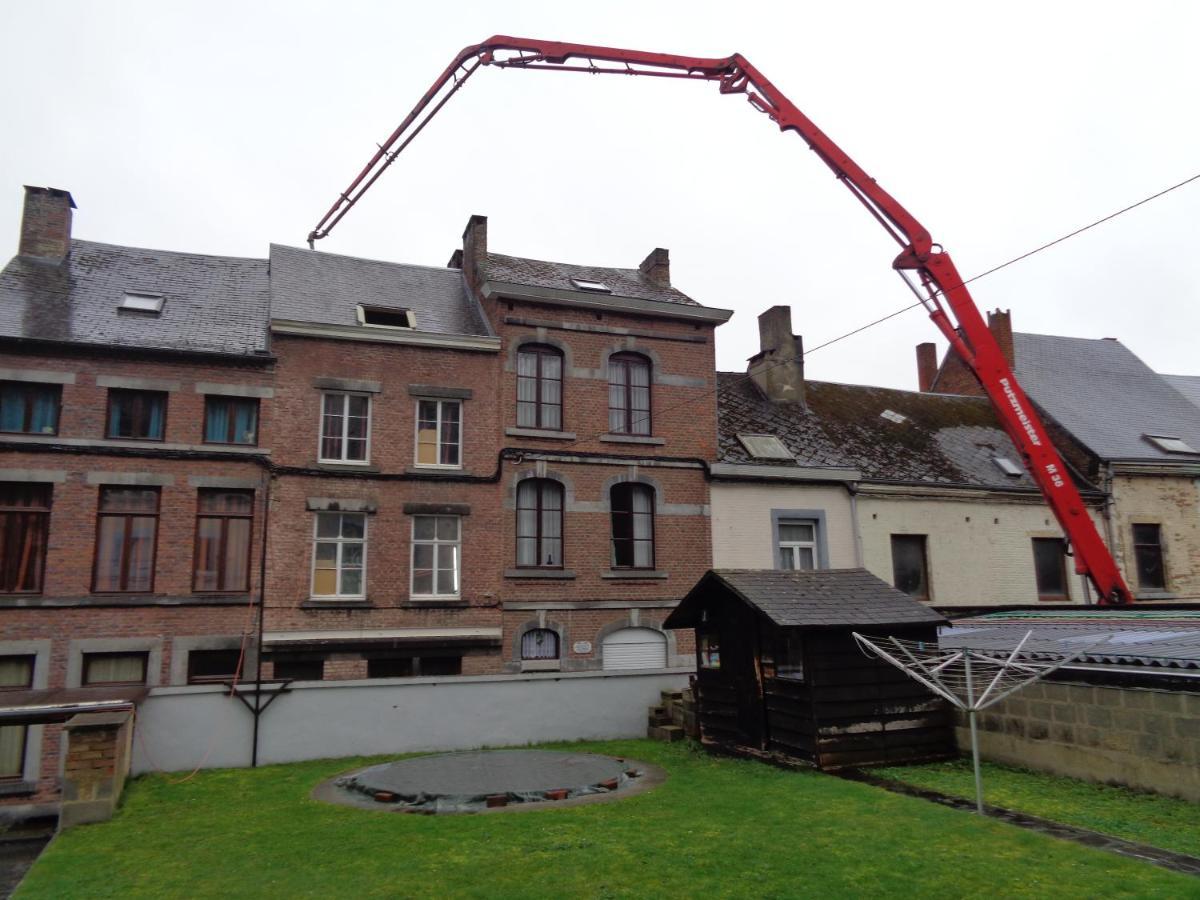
(924,265)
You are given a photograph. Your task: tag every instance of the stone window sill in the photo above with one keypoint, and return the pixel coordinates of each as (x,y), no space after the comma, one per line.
(544,434)
(330,466)
(1155,595)
(17,788)
(632,439)
(634,574)
(541,665)
(434,603)
(545,574)
(318,603)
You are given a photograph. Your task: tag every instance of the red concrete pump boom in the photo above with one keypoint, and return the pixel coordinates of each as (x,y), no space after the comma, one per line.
(924,265)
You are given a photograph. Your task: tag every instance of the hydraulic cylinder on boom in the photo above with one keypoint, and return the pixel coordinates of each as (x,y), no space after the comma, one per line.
(925,266)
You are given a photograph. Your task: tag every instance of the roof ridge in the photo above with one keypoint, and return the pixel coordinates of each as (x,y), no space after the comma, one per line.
(261,259)
(554,262)
(368,259)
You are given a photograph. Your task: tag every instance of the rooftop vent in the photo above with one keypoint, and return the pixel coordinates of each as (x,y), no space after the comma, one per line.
(1169,444)
(764,446)
(1008,467)
(138,301)
(596,287)
(385,317)
(893,416)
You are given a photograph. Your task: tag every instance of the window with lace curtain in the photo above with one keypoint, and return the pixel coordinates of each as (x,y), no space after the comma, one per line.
(628,394)
(539,387)
(539,523)
(539,643)
(115,668)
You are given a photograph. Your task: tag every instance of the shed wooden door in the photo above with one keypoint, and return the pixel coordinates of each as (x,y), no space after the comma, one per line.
(635,648)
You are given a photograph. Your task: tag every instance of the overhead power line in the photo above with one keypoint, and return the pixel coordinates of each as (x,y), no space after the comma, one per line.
(892,315)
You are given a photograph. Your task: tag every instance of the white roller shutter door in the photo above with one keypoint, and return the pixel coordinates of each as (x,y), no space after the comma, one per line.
(635,648)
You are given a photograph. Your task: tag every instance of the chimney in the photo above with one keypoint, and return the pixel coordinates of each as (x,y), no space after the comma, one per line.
(474,251)
(46,224)
(778,367)
(657,267)
(927,366)
(1000,324)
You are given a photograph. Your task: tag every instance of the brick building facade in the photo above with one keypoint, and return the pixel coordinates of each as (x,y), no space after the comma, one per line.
(490,467)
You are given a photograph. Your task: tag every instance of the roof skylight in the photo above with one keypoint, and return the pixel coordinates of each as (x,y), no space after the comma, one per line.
(764,446)
(1008,467)
(1169,444)
(893,416)
(386,317)
(139,301)
(596,287)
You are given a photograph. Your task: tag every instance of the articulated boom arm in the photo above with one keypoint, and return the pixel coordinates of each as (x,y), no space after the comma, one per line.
(925,266)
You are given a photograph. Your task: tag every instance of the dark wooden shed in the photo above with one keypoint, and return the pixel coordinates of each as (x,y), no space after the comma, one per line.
(777,668)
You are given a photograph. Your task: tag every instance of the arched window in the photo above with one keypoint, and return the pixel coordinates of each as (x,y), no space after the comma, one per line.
(539,643)
(539,387)
(632,526)
(539,523)
(628,394)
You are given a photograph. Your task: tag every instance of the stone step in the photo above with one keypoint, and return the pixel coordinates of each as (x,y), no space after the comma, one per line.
(662,719)
(671,696)
(668,733)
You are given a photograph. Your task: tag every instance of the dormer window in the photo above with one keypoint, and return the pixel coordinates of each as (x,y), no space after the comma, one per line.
(596,287)
(386,317)
(764,446)
(1169,444)
(138,301)
(1008,467)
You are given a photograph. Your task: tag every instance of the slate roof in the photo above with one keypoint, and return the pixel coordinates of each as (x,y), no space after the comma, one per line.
(539,273)
(946,439)
(326,289)
(1156,639)
(810,599)
(214,304)
(1105,396)
(1188,385)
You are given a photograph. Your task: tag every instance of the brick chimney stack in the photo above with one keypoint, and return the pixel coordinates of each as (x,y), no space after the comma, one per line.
(778,367)
(657,267)
(474,251)
(927,365)
(1000,324)
(46,224)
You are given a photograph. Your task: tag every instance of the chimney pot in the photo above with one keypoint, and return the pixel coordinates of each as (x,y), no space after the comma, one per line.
(657,267)
(46,224)
(927,367)
(778,367)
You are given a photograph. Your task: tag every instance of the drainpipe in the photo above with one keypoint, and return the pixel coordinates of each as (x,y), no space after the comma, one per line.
(852,490)
(1109,503)
(262,615)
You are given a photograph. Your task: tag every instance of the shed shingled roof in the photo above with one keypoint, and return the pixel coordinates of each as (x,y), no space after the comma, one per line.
(541,273)
(327,288)
(945,439)
(1105,396)
(213,304)
(812,599)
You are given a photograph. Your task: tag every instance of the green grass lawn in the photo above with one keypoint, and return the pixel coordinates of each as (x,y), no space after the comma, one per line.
(1146,818)
(716,828)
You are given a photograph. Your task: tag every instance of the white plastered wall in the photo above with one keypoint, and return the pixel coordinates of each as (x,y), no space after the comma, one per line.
(742,529)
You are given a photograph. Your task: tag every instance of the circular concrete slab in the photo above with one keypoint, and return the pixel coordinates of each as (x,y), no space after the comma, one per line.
(488,779)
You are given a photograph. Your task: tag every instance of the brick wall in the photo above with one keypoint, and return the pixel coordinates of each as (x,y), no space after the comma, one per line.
(1140,738)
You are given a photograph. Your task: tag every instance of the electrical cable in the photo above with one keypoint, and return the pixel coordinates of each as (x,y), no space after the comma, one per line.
(892,315)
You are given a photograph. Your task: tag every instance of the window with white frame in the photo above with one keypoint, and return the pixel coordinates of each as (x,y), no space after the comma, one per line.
(339,556)
(797,544)
(345,427)
(436,554)
(439,433)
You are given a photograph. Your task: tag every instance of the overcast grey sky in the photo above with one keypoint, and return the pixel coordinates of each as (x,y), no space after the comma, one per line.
(218,127)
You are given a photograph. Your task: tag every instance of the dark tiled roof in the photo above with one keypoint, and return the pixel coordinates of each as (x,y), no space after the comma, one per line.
(214,304)
(825,597)
(945,439)
(1188,385)
(538,273)
(1105,396)
(326,289)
